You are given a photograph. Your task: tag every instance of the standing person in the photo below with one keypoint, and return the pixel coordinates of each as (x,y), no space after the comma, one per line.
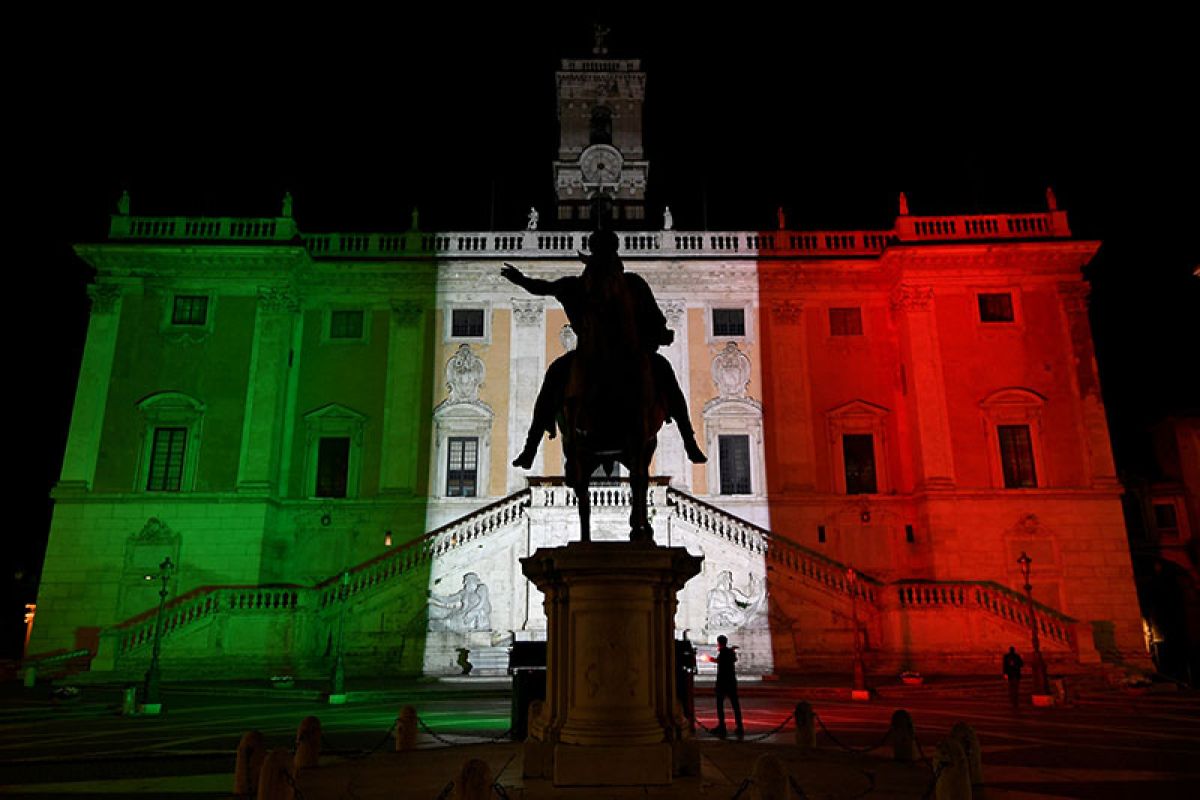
(1012,674)
(727,687)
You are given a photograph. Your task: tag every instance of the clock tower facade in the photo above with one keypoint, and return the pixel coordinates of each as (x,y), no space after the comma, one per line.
(601,169)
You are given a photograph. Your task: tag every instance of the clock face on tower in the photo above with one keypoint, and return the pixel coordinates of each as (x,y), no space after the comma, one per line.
(601,163)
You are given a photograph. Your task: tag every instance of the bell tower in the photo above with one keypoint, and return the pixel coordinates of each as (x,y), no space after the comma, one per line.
(600,173)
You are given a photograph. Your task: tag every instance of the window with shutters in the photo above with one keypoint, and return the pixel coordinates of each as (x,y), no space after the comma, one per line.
(845,322)
(462,466)
(171,427)
(166,460)
(333,466)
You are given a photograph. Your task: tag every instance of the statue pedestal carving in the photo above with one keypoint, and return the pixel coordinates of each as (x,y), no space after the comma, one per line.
(609,716)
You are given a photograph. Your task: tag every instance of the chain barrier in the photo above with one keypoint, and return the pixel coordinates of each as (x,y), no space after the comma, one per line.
(745,784)
(858,750)
(445,792)
(500,791)
(800,795)
(756,738)
(329,747)
(478,740)
(296,793)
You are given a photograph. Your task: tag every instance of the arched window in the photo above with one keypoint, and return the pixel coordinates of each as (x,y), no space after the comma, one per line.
(601,126)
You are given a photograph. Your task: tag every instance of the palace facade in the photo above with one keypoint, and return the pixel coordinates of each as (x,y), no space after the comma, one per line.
(316,430)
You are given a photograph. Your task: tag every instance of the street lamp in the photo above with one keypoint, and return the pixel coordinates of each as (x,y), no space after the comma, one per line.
(860,672)
(150,691)
(1039,666)
(338,680)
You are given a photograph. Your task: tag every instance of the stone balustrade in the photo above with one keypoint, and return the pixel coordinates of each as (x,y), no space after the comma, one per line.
(991,598)
(202,604)
(532,245)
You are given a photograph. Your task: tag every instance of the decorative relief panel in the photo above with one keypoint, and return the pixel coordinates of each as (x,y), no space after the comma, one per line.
(731,372)
(464,375)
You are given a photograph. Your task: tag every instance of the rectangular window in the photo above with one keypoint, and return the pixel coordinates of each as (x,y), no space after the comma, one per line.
(996,307)
(166,460)
(333,466)
(467,322)
(346,324)
(734,455)
(1016,456)
(462,466)
(729,322)
(189,310)
(845,322)
(821,534)
(858,451)
(910,536)
(1164,517)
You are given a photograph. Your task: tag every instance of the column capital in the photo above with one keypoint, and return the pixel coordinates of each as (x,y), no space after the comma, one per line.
(104,297)
(406,312)
(278,298)
(1074,295)
(528,312)
(786,312)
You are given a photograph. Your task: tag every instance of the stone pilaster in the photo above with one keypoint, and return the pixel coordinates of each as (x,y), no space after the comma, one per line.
(1101,467)
(403,407)
(930,420)
(91,393)
(788,391)
(526,368)
(671,459)
(266,390)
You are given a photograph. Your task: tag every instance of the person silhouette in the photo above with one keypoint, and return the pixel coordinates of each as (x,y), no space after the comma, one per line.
(727,687)
(651,333)
(1012,674)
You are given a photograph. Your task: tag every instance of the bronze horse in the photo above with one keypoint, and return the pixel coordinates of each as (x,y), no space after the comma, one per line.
(608,404)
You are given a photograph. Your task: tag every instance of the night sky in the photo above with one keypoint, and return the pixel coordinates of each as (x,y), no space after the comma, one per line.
(362,117)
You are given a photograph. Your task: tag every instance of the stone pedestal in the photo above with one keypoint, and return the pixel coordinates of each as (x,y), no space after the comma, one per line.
(608,719)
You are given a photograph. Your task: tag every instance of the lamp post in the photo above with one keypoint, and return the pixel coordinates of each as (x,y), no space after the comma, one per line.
(338,680)
(150,691)
(860,672)
(1039,666)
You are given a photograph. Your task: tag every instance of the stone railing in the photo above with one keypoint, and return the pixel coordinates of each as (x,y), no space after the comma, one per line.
(271,229)
(603,493)
(202,604)
(532,245)
(819,569)
(1040,225)
(384,568)
(989,597)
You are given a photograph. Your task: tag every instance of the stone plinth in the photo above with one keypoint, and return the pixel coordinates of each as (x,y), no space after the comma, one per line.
(610,687)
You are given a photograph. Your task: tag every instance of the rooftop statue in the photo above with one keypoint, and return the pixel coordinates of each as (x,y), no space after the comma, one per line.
(611,394)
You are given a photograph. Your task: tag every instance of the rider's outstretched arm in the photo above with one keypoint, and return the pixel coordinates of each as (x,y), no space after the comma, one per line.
(535,286)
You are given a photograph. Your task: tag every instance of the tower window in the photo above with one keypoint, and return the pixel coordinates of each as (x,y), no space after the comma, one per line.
(1165,518)
(910,536)
(1016,457)
(997,307)
(462,466)
(845,322)
(333,466)
(189,310)
(166,460)
(858,453)
(346,324)
(601,129)
(729,322)
(734,458)
(821,534)
(467,323)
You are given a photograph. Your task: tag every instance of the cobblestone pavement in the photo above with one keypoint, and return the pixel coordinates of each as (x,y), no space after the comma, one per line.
(1105,745)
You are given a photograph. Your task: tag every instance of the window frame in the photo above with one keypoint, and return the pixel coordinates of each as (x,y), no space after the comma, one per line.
(749,476)
(169,410)
(448,335)
(859,417)
(742,311)
(187,331)
(333,421)
(327,336)
(1014,294)
(832,334)
(748,322)
(345,478)
(450,442)
(870,435)
(153,462)
(176,297)
(1014,405)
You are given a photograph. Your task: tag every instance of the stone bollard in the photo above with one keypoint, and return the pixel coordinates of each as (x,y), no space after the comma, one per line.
(251,752)
(275,780)
(770,778)
(966,736)
(475,781)
(904,737)
(308,743)
(537,754)
(406,730)
(950,765)
(806,727)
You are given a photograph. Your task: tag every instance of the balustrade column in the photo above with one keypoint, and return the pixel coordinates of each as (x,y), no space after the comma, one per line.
(266,390)
(91,393)
(926,386)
